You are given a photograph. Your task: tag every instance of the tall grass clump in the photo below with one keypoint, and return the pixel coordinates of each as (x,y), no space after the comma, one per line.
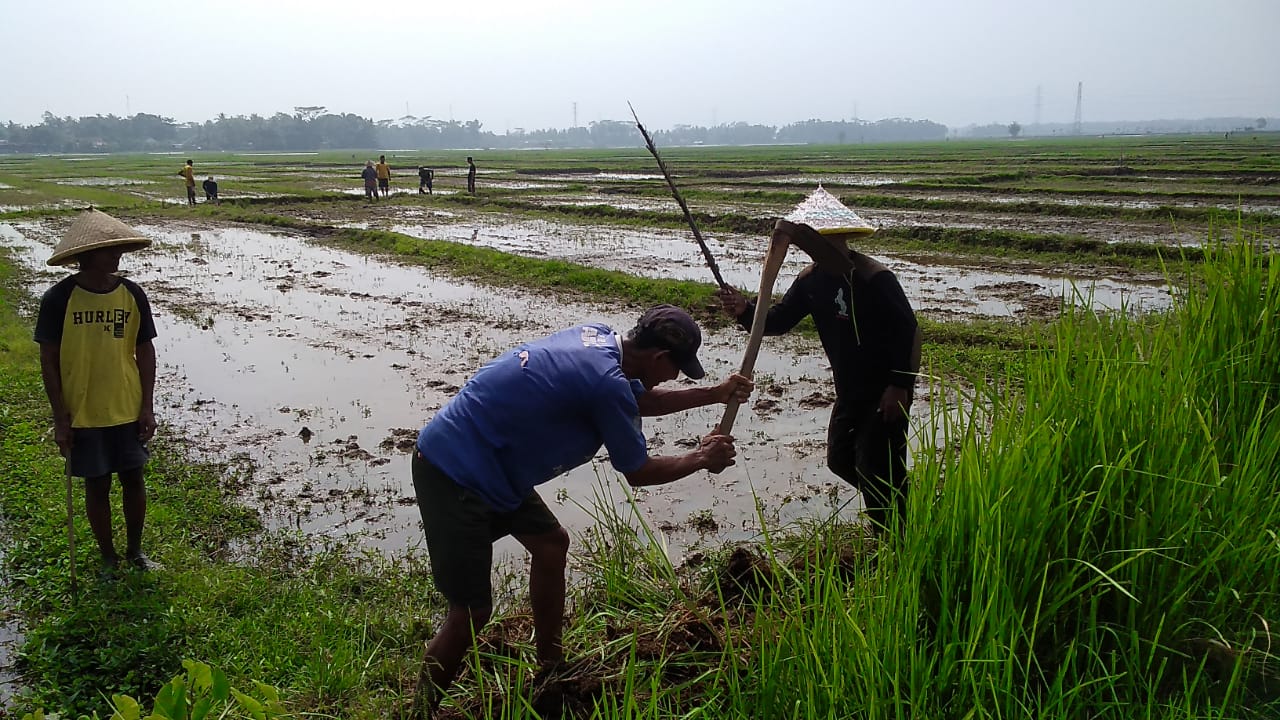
(1094,539)
(1107,536)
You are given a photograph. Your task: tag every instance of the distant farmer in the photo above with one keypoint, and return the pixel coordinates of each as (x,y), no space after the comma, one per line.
(210,190)
(425,176)
(188,172)
(471,176)
(384,175)
(869,333)
(524,418)
(370,175)
(99,369)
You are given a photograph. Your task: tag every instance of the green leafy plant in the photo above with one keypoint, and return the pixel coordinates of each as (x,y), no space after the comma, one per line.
(201,692)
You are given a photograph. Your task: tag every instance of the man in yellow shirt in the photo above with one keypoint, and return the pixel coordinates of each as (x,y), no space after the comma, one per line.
(384,175)
(99,369)
(189,173)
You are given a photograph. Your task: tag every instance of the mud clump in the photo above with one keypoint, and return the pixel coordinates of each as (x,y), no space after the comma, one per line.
(704,522)
(447,388)
(765,405)
(350,449)
(849,561)
(1225,663)
(744,573)
(696,633)
(815,400)
(401,440)
(506,637)
(569,689)
(1040,307)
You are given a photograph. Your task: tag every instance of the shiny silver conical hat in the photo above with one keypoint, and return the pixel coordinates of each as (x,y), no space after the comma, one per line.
(824,212)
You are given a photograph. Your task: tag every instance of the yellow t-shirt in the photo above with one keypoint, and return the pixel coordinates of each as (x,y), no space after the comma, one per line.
(188,173)
(97,335)
(384,171)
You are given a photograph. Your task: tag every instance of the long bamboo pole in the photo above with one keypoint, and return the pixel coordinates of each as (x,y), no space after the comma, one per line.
(706,251)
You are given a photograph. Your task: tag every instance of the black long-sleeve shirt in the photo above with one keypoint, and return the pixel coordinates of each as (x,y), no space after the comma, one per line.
(865,323)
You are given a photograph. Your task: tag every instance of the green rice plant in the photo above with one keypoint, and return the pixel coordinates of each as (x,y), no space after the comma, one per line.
(1107,520)
(1094,538)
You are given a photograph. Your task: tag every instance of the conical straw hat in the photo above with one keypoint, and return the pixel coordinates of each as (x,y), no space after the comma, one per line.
(92,230)
(824,212)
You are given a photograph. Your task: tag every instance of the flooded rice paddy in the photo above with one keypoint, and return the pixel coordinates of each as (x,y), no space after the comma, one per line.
(317,367)
(10,640)
(947,286)
(101,181)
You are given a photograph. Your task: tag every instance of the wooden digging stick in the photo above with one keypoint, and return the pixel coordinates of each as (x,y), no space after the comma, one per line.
(688,217)
(71,528)
(772,265)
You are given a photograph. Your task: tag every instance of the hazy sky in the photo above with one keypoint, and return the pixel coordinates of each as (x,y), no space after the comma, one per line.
(523,63)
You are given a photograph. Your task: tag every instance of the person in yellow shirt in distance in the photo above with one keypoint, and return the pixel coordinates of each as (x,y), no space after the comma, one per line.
(384,175)
(189,174)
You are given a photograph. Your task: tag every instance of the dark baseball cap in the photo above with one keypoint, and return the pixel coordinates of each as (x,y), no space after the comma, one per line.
(674,330)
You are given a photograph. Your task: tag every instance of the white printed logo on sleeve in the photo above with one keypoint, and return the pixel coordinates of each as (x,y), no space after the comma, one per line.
(591,337)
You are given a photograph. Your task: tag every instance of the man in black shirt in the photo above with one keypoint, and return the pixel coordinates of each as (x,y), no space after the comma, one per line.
(869,333)
(210,190)
(425,176)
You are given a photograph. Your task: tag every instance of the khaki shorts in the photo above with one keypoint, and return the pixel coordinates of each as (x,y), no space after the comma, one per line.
(461,529)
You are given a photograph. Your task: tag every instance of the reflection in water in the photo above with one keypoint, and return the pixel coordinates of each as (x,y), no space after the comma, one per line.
(264,336)
(10,640)
(957,288)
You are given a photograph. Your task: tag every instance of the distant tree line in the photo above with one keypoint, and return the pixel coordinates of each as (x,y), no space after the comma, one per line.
(1114,127)
(311,128)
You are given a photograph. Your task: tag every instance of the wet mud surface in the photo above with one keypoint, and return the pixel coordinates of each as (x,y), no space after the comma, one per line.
(1246,204)
(316,367)
(10,640)
(1104,229)
(944,286)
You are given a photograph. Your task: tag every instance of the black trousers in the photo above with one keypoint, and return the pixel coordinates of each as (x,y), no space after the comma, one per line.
(871,455)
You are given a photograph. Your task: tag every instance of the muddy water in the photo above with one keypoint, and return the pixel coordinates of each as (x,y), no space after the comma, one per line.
(1261,205)
(640,202)
(103,181)
(937,286)
(1104,229)
(10,640)
(836,180)
(318,366)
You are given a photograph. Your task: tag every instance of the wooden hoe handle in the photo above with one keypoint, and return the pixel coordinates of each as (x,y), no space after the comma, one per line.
(772,265)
